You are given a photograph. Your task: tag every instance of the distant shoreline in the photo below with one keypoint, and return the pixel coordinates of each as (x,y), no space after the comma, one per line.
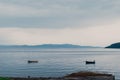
(114,46)
(47,46)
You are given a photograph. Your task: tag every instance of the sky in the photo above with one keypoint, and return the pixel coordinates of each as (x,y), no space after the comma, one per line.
(81,22)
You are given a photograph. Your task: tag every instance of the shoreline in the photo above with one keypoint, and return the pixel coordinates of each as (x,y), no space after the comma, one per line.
(72,76)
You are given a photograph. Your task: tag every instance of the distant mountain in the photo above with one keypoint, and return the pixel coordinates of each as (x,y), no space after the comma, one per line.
(49,46)
(115,45)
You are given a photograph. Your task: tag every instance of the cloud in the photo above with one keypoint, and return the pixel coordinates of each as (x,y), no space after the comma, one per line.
(59,21)
(57,13)
(39,8)
(102,35)
(12,10)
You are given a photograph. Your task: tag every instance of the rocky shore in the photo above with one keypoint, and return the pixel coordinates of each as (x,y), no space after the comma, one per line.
(74,76)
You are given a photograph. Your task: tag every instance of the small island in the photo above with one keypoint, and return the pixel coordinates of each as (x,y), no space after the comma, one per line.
(114,45)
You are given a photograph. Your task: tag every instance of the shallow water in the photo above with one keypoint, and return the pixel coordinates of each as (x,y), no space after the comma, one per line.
(57,62)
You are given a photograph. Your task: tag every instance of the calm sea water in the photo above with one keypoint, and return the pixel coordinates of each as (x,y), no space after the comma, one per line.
(57,62)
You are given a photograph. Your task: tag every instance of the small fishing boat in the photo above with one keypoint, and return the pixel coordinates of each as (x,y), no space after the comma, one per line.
(90,62)
(32,61)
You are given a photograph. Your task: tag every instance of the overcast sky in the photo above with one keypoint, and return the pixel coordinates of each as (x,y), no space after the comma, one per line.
(82,22)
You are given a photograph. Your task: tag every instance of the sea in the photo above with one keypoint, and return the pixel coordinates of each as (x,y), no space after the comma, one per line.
(57,62)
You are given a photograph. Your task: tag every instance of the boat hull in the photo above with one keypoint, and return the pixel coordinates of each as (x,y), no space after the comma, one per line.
(90,62)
